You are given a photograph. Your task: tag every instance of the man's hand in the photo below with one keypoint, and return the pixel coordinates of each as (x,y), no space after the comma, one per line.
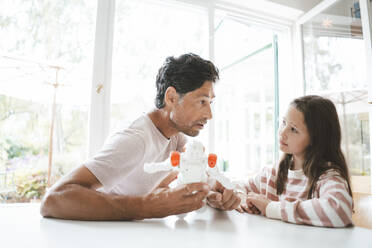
(222,198)
(254,204)
(163,201)
(75,197)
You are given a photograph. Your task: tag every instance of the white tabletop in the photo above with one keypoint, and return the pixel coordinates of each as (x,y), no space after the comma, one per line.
(22,226)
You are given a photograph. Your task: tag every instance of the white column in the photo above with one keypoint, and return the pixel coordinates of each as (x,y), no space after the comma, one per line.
(365,11)
(99,114)
(211,9)
(298,62)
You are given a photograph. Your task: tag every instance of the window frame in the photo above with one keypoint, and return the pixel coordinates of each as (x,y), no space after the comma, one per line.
(99,114)
(366,18)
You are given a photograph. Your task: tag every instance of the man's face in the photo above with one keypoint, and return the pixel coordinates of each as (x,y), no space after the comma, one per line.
(193,110)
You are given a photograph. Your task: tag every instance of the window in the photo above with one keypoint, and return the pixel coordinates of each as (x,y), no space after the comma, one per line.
(335,67)
(47,52)
(146,32)
(334,56)
(245,55)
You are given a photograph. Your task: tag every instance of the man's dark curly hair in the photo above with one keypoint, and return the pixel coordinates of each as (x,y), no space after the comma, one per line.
(185,73)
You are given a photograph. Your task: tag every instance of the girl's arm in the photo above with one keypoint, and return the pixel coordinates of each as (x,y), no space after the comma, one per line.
(262,185)
(333,208)
(254,184)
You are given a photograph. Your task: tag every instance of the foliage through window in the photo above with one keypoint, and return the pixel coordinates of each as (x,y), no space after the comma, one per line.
(46,49)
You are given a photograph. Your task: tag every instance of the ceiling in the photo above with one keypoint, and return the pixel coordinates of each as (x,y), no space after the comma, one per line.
(296,4)
(289,9)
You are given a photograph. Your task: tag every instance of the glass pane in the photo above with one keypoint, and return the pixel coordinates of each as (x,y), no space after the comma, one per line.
(334,53)
(48,51)
(244,95)
(146,32)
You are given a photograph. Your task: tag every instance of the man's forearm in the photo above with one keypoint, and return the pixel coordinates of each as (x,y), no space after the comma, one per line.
(73,201)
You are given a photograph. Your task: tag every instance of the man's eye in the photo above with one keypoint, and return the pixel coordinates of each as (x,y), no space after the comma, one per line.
(202,102)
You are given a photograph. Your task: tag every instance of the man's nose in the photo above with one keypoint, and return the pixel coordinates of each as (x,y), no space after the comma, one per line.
(208,113)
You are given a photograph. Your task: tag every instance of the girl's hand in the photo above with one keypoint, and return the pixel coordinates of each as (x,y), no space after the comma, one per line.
(257,201)
(246,206)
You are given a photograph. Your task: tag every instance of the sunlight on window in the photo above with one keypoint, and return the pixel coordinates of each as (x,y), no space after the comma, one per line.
(146,32)
(334,67)
(48,51)
(245,109)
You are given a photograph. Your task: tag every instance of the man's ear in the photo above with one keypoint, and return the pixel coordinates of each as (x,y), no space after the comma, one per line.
(171,96)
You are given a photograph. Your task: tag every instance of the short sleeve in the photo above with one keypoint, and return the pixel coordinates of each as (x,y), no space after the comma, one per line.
(119,156)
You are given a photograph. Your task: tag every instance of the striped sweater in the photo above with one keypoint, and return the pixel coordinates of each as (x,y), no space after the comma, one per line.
(330,206)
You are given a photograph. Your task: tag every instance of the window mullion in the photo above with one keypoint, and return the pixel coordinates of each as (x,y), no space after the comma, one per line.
(99,114)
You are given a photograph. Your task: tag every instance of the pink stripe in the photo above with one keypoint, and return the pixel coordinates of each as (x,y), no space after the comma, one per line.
(272,184)
(263,191)
(328,173)
(339,179)
(295,205)
(296,182)
(291,199)
(296,194)
(295,213)
(321,214)
(335,178)
(341,197)
(263,180)
(253,187)
(340,212)
(283,212)
(272,197)
(273,172)
(332,187)
(303,215)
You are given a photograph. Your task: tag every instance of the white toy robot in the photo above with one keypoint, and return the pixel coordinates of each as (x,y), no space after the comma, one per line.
(192,166)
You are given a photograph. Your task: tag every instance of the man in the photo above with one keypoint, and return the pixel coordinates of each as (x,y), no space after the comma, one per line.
(113,185)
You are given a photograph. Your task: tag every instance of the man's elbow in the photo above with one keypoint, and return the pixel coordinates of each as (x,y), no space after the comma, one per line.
(47,206)
(51,202)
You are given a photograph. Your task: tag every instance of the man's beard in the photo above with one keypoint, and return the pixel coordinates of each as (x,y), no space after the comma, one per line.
(185,130)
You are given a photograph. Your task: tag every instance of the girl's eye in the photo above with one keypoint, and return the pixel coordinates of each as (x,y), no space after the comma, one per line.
(293,129)
(202,102)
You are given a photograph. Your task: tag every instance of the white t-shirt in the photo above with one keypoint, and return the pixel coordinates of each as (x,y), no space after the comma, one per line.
(119,165)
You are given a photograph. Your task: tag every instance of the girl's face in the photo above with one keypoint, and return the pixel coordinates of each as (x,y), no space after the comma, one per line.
(293,134)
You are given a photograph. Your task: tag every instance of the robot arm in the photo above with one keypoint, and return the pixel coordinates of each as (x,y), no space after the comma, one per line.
(169,164)
(215,174)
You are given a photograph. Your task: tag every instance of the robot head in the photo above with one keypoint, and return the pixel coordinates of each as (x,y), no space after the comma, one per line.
(194,149)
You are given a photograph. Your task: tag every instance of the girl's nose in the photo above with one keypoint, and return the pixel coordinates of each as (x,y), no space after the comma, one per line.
(282,134)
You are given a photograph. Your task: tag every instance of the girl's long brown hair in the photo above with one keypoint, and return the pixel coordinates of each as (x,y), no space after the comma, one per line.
(324,129)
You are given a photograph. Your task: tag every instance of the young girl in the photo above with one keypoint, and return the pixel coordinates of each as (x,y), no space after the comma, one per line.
(311,185)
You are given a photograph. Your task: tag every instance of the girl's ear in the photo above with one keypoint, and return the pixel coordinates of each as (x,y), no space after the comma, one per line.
(171,96)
